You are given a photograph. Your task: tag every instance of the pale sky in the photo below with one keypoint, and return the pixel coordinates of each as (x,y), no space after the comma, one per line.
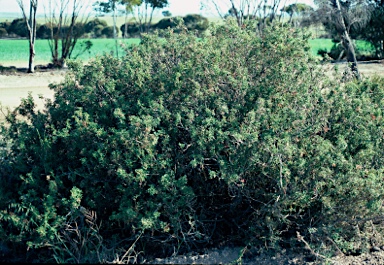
(176,7)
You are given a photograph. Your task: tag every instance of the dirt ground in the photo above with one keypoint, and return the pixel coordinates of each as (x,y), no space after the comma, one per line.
(17,85)
(370,68)
(231,256)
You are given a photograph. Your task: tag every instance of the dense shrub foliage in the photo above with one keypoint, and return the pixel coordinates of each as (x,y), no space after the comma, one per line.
(189,142)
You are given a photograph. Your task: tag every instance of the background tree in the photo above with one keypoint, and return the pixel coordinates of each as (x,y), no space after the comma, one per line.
(341,27)
(109,32)
(17,27)
(65,20)
(374,29)
(196,22)
(95,27)
(243,10)
(30,21)
(4,28)
(43,32)
(130,29)
(111,6)
(341,19)
(129,6)
(3,32)
(145,11)
(193,22)
(298,10)
(166,13)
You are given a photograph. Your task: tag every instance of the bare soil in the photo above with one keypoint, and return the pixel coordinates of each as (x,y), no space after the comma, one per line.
(15,85)
(371,68)
(233,256)
(367,68)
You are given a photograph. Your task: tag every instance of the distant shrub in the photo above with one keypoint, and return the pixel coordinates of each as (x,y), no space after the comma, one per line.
(132,30)
(196,22)
(108,32)
(5,25)
(18,28)
(95,27)
(188,142)
(192,22)
(166,23)
(3,32)
(43,32)
(98,31)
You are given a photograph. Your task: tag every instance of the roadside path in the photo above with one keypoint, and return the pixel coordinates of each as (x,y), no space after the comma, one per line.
(15,86)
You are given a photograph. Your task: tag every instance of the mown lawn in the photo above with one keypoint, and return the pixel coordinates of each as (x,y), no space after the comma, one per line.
(362,47)
(16,51)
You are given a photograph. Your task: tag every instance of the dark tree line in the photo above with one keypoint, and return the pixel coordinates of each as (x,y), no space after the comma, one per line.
(95,28)
(99,28)
(192,22)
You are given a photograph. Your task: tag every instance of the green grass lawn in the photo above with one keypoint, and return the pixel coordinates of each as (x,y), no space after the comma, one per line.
(362,47)
(320,44)
(17,51)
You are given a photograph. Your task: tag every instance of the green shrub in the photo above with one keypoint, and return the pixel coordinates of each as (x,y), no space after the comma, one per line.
(186,143)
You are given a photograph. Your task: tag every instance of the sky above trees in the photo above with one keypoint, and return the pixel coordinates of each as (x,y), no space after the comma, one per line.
(176,7)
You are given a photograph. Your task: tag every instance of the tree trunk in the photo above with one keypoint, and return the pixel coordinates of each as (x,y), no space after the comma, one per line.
(114,31)
(31,67)
(31,26)
(351,55)
(64,30)
(150,19)
(345,39)
(125,25)
(32,38)
(237,15)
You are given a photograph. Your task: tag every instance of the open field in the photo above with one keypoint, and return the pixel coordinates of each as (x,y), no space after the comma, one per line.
(16,53)
(362,47)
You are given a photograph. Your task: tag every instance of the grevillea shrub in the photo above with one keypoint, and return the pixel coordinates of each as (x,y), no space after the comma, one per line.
(186,143)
